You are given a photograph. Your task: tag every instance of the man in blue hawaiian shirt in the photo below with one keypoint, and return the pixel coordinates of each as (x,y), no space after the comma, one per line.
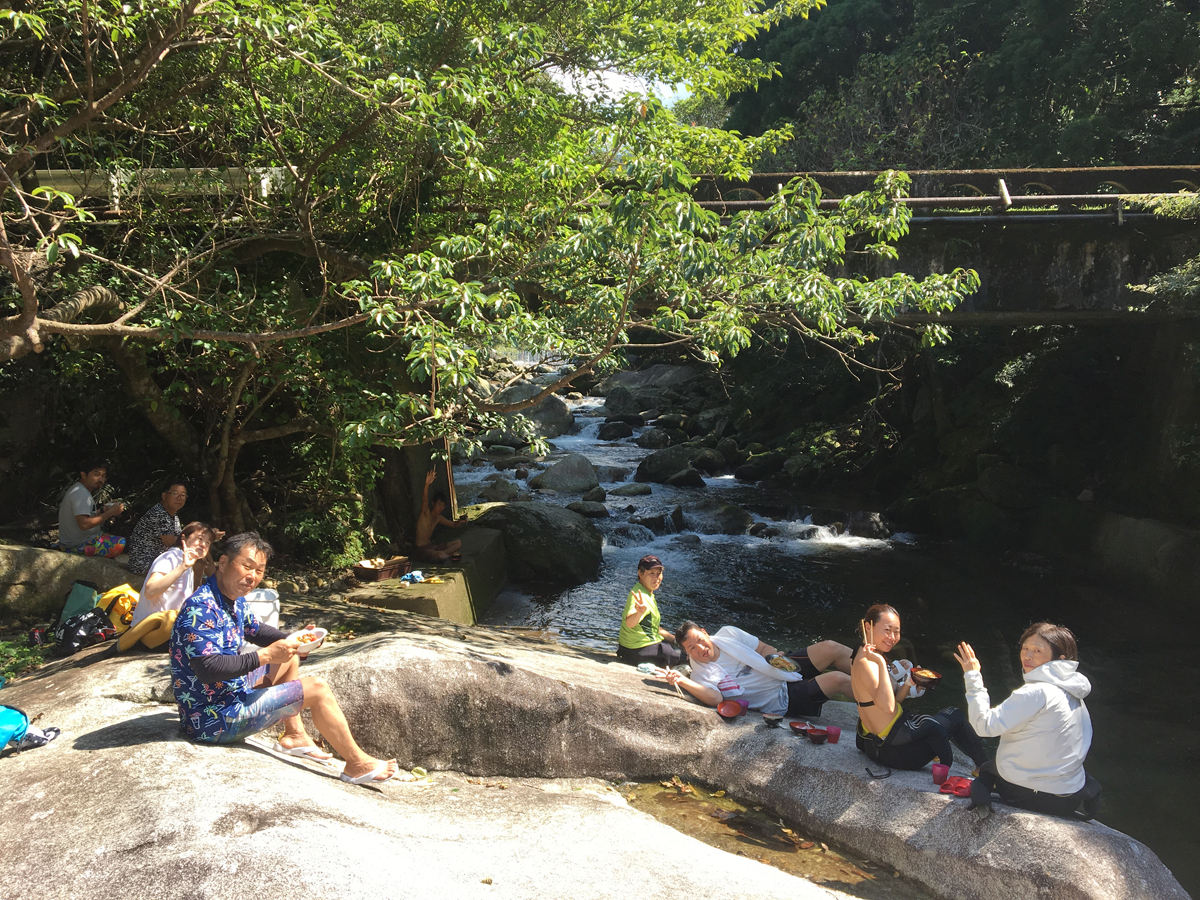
(225,694)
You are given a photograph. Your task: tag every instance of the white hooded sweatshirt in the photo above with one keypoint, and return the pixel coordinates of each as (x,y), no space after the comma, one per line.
(1044,727)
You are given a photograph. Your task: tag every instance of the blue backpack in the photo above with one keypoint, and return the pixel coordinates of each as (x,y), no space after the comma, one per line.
(15,729)
(13,725)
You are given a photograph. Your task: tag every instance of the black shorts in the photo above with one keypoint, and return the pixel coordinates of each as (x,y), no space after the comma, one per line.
(805,698)
(661,654)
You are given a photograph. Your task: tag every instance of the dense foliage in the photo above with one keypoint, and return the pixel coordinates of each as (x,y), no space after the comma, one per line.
(934,84)
(308,222)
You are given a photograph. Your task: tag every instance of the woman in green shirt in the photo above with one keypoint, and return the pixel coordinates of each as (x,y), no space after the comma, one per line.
(642,639)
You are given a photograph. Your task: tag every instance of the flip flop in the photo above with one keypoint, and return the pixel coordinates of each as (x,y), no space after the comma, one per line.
(310,752)
(372,777)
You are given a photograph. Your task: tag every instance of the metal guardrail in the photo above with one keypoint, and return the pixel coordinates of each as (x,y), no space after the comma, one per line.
(119,184)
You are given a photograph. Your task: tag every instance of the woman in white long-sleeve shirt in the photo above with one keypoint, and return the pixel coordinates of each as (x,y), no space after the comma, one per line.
(1044,728)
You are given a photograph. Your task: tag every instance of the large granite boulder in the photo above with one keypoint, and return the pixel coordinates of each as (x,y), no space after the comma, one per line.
(499,491)
(589,509)
(710,461)
(868,524)
(34,582)
(662,464)
(143,813)
(714,516)
(614,431)
(155,816)
(545,542)
(654,439)
(688,477)
(572,474)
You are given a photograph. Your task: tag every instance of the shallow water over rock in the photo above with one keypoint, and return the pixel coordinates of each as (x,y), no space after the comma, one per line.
(811,581)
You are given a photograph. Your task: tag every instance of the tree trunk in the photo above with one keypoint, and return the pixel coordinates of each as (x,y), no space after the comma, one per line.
(171,426)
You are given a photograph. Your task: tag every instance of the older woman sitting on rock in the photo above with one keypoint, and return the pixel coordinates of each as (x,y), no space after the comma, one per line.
(1044,728)
(887,732)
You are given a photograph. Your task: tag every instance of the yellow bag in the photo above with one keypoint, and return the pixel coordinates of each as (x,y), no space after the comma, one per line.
(119,604)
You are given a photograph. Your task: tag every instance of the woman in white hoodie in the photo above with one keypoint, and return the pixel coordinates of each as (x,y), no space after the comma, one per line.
(1044,728)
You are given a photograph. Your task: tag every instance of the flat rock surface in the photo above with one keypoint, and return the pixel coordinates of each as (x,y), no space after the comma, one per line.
(122,806)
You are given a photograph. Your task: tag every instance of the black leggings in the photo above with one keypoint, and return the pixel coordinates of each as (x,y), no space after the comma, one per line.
(916,739)
(661,654)
(1086,798)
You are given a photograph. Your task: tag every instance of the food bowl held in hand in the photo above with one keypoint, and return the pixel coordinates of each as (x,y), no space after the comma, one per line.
(310,639)
(781,662)
(925,677)
(729,709)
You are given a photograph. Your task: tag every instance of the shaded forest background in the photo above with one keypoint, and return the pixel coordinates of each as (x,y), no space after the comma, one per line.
(930,84)
(451,195)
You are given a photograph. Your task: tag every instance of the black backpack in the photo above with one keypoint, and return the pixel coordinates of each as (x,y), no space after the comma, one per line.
(83,630)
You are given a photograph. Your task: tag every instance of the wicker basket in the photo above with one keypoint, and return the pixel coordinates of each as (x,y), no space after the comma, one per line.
(393,568)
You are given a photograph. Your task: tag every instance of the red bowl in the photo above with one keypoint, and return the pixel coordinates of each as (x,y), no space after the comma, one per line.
(800,728)
(818,734)
(729,709)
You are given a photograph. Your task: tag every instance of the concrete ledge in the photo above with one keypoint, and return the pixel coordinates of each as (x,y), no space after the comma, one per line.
(468,589)
(34,582)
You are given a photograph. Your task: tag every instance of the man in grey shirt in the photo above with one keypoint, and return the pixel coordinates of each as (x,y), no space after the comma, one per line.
(79,520)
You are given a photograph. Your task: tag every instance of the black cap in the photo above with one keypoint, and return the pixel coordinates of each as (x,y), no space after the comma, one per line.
(649,562)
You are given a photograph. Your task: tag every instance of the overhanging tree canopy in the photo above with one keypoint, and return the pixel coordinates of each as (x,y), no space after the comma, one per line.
(404,187)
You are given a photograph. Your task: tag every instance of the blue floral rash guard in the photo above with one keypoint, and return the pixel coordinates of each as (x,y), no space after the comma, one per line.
(209,624)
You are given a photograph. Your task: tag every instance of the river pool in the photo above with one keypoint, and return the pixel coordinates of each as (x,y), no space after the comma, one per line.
(810,583)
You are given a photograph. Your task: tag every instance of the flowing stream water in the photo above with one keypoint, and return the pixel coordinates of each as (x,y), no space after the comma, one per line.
(810,583)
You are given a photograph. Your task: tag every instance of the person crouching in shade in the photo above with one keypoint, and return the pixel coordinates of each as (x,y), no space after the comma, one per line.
(642,637)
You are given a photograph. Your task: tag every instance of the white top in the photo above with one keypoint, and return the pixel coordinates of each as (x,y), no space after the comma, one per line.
(1044,727)
(736,679)
(173,596)
(77,501)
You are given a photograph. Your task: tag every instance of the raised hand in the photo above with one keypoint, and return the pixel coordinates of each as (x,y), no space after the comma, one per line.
(430,477)
(191,555)
(966,658)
